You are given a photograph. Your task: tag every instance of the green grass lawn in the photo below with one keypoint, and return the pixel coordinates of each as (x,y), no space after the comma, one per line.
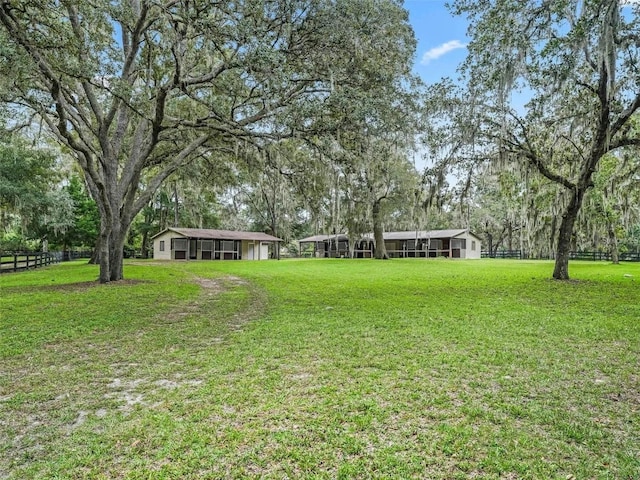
(410,368)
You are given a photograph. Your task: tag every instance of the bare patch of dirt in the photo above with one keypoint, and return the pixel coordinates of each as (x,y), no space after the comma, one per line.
(71,287)
(211,288)
(211,285)
(80,382)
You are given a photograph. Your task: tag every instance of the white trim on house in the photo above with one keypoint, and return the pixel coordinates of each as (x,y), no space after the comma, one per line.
(455,243)
(207,244)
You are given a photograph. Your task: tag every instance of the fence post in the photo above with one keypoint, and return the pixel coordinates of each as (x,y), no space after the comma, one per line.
(15,262)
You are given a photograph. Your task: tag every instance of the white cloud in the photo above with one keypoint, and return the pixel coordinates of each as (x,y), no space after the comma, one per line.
(440,50)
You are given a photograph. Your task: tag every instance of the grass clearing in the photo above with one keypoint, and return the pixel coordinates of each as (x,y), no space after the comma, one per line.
(321,369)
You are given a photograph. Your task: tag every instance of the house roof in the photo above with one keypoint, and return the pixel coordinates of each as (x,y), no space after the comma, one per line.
(409,235)
(220,234)
(424,234)
(321,238)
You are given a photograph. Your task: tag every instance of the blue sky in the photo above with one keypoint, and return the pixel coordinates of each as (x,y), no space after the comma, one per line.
(441,39)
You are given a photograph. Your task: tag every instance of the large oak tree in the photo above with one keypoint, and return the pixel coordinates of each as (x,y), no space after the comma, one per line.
(136,89)
(574,66)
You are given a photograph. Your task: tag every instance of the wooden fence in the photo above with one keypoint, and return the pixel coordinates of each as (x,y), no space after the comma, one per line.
(517,254)
(623,257)
(595,256)
(15,262)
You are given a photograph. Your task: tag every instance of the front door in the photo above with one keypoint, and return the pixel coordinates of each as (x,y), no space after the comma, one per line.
(193,249)
(250,252)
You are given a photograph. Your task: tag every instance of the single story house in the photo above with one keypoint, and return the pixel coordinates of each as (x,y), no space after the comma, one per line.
(205,244)
(458,243)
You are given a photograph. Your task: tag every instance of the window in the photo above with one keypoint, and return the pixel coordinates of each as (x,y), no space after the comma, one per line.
(473,245)
(162,245)
(228,245)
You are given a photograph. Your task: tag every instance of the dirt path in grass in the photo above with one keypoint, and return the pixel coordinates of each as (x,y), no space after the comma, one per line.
(212,288)
(66,386)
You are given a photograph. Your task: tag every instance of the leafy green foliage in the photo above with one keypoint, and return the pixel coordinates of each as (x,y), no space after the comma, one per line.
(83,232)
(33,207)
(553,88)
(136,90)
(25,174)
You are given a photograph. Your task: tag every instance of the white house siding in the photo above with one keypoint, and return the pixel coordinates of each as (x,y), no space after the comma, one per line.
(455,243)
(167,253)
(255,250)
(470,252)
(209,244)
(245,250)
(250,250)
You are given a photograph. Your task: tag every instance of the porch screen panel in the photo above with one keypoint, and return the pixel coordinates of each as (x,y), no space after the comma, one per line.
(179,243)
(458,243)
(179,248)
(206,249)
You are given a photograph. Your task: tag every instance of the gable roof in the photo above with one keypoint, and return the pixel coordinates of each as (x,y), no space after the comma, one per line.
(321,238)
(220,234)
(409,235)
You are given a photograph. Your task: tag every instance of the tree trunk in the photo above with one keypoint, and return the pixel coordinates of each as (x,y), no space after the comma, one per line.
(613,244)
(109,251)
(103,254)
(144,253)
(95,255)
(561,269)
(116,254)
(116,262)
(490,244)
(380,251)
(176,216)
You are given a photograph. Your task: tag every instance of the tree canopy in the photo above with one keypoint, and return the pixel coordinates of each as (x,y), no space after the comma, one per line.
(137,89)
(552,87)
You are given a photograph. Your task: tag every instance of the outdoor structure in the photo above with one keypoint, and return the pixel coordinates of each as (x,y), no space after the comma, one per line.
(205,244)
(332,246)
(458,243)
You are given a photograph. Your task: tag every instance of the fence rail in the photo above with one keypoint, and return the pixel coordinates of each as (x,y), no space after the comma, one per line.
(518,254)
(594,256)
(15,262)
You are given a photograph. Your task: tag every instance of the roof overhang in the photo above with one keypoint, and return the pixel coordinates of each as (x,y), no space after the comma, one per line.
(210,234)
